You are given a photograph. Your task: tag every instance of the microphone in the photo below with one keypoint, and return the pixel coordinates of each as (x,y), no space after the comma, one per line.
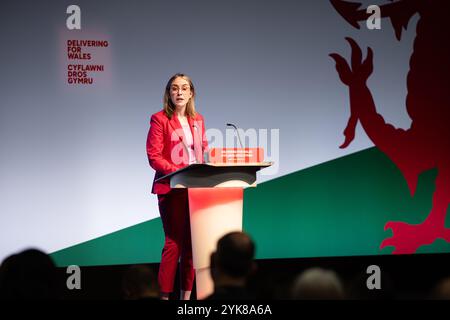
(237,132)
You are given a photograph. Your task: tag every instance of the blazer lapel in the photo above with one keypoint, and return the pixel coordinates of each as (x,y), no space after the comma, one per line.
(176,127)
(196,128)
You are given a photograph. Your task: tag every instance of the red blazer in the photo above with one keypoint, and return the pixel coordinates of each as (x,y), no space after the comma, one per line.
(167,149)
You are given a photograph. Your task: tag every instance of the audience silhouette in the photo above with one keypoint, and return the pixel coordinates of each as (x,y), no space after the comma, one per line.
(318,284)
(231,265)
(139,283)
(30,274)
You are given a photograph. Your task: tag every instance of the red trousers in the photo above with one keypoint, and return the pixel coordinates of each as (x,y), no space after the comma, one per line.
(174,211)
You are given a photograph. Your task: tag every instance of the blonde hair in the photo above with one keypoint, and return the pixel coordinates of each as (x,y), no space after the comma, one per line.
(169,107)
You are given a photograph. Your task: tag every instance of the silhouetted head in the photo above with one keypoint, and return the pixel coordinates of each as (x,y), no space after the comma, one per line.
(139,282)
(442,290)
(30,274)
(318,284)
(234,255)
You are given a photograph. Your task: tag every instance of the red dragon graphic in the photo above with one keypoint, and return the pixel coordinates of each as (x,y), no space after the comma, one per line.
(426,144)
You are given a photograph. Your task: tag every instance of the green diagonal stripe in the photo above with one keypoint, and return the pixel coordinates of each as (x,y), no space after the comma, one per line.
(337,208)
(141,243)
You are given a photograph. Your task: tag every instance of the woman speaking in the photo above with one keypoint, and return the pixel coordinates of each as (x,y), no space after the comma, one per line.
(176,139)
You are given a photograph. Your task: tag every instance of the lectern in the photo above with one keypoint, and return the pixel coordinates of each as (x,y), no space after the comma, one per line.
(215,192)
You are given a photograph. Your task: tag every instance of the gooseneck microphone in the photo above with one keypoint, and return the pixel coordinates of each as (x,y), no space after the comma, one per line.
(237,132)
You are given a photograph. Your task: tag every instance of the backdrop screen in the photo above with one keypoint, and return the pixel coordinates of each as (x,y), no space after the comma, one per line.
(81,80)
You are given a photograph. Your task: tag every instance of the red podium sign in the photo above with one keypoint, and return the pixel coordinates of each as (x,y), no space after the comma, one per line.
(236,155)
